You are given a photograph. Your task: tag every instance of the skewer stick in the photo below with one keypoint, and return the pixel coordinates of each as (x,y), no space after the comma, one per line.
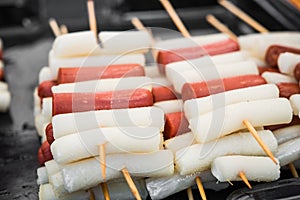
(105,191)
(190,193)
(131,184)
(102,157)
(63,29)
(229,182)
(261,29)
(200,188)
(138,24)
(293,170)
(169,8)
(259,140)
(243,16)
(295,3)
(221,27)
(54,27)
(92,195)
(244,178)
(92,17)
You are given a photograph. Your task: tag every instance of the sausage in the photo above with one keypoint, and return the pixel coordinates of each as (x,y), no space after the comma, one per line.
(288,89)
(44,89)
(169,56)
(295,121)
(41,157)
(267,69)
(46,151)
(176,124)
(1,74)
(202,89)
(79,102)
(163,93)
(297,72)
(274,51)
(76,74)
(49,133)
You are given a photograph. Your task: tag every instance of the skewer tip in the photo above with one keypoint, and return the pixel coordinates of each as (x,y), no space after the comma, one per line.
(244,178)
(259,140)
(201,188)
(131,184)
(293,170)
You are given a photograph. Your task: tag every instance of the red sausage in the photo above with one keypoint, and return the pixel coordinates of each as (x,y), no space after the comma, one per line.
(297,72)
(288,89)
(1,74)
(295,121)
(176,124)
(174,55)
(76,74)
(41,157)
(80,102)
(267,69)
(49,133)
(46,151)
(274,51)
(44,89)
(202,89)
(163,93)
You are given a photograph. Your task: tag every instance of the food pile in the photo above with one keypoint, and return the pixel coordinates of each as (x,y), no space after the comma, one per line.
(101,112)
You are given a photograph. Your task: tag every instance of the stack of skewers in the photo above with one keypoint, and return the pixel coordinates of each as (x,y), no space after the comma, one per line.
(214,109)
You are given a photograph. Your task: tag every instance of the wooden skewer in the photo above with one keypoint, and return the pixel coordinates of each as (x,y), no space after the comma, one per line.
(63,29)
(261,29)
(295,3)
(138,24)
(221,27)
(131,184)
(169,8)
(92,17)
(92,195)
(54,27)
(242,15)
(200,188)
(229,182)
(244,178)
(293,170)
(102,157)
(259,140)
(105,191)
(190,193)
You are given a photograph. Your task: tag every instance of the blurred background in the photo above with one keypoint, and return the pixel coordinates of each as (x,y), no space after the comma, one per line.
(25,20)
